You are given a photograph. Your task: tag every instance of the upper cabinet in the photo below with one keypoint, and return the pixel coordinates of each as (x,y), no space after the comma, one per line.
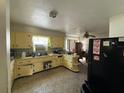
(57,41)
(21,40)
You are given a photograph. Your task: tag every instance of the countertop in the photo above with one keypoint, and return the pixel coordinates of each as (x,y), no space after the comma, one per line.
(49,55)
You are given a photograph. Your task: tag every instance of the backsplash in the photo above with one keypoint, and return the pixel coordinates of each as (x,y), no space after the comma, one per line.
(17,53)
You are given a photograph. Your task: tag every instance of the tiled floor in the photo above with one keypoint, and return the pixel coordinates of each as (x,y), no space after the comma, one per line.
(58,80)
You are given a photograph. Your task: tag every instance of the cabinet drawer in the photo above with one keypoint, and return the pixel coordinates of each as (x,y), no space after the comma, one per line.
(24,70)
(24,62)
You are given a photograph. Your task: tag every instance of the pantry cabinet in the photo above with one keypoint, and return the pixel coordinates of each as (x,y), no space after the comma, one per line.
(21,40)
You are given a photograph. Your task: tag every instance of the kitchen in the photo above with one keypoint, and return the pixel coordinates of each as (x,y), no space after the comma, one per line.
(33,58)
(53,66)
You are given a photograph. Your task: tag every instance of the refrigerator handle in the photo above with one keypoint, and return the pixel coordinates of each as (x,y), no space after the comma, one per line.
(105,55)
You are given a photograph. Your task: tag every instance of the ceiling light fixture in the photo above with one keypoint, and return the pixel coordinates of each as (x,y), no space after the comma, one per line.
(53,13)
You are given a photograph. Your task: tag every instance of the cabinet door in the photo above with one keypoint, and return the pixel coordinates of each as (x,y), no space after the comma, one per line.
(61,60)
(12,39)
(24,70)
(38,66)
(56,61)
(23,40)
(57,41)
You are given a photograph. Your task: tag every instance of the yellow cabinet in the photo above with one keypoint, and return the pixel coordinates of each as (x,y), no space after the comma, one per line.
(28,66)
(21,40)
(57,41)
(60,60)
(57,61)
(71,62)
(37,67)
(24,70)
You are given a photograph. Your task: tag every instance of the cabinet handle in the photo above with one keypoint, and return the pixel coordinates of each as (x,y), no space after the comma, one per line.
(19,74)
(27,65)
(18,68)
(29,46)
(28,35)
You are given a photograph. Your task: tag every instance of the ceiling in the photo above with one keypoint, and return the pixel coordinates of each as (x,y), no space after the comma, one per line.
(74,16)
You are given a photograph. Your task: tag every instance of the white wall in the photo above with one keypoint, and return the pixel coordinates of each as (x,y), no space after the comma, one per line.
(116,26)
(85,41)
(5,86)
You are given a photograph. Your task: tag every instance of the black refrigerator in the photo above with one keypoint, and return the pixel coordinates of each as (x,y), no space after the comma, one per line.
(105,66)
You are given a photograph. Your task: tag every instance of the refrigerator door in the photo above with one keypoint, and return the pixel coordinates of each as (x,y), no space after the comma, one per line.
(101,71)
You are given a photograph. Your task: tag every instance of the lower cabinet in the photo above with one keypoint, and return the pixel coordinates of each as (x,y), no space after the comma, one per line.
(27,67)
(24,70)
(60,59)
(37,67)
(71,63)
(68,64)
(54,62)
(57,61)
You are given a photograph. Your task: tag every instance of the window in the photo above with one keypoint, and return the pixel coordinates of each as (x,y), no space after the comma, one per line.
(40,42)
(70,45)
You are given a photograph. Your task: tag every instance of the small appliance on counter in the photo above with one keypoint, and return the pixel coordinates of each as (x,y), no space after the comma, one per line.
(105,66)
(57,50)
